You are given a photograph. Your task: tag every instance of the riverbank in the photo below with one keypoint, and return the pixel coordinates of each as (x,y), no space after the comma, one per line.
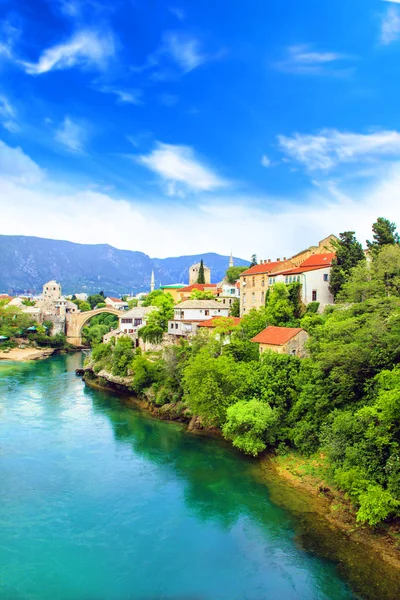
(294,479)
(22,354)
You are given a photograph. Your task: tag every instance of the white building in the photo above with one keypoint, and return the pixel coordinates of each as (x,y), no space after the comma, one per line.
(313,274)
(116,303)
(130,322)
(191,312)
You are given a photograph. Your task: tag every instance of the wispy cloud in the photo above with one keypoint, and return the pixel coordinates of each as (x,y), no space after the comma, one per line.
(71,135)
(177,55)
(330,148)
(131,96)
(168,99)
(18,166)
(180,170)
(178,13)
(8,115)
(86,49)
(265,161)
(390,25)
(303,60)
(9,33)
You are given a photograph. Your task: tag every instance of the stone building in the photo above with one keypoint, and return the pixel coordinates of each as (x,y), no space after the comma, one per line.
(283,340)
(194,274)
(255,282)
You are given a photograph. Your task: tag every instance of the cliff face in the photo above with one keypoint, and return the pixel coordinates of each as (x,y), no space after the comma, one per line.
(26,263)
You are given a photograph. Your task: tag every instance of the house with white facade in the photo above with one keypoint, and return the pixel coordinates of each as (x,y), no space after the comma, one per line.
(116,303)
(188,314)
(313,274)
(129,323)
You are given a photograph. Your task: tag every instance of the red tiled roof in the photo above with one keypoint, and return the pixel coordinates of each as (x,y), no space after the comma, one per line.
(319,260)
(115,299)
(202,287)
(276,336)
(5,297)
(262,268)
(217,320)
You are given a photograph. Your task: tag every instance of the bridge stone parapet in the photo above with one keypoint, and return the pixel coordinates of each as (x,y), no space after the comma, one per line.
(75,322)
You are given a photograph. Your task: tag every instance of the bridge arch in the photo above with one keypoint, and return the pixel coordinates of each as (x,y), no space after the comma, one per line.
(75,322)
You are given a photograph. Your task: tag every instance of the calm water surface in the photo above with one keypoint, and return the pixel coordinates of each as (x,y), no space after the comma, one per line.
(98,501)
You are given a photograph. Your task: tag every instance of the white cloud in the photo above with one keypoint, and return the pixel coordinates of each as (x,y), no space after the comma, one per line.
(178,55)
(246,224)
(303,60)
(86,48)
(184,50)
(330,147)
(390,26)
(265,161)
(123,96)
(6,109)
(18,167)
(71,135)
(180,170)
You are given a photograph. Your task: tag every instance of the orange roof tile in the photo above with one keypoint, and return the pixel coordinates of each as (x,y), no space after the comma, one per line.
(115,299)
(319,260)
(276,336)
(217,320)
(261,268)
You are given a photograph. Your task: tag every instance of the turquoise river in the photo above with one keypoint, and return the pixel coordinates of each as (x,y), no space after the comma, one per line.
(99,501)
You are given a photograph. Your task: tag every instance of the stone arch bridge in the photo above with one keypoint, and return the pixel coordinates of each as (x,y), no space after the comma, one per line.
(75,322)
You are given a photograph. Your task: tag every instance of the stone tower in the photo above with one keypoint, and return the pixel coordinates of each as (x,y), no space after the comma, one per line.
(231,260)
(152,282)
(194,274)
(52,291)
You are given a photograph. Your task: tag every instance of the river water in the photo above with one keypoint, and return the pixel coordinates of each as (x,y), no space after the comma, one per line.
(99,502)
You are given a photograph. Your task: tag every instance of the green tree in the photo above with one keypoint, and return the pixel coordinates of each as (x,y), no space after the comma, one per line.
(122,356)
(235,308)
(253,261)
(280,310)
(84,306)
(201,278)
(13,321)
(202,295)
(233,273)
(349,253)
(94,300)
(295,299)
(251,425)
(384,234)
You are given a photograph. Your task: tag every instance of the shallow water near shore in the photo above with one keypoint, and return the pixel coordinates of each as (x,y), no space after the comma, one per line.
(100,501)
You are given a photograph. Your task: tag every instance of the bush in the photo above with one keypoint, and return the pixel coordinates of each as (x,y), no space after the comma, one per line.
(251,426)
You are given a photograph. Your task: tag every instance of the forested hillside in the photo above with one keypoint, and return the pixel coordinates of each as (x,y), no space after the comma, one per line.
(342,402)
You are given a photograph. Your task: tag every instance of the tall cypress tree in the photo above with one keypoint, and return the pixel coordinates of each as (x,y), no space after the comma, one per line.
(349,253)
(201,278)
(384,235)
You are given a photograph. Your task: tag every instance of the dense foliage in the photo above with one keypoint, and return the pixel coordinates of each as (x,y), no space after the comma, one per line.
(97,327)
(343,400)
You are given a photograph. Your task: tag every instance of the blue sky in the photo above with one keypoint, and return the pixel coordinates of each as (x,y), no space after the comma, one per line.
(185,127)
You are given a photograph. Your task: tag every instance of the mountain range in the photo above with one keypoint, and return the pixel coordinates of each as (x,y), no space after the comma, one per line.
(26,263)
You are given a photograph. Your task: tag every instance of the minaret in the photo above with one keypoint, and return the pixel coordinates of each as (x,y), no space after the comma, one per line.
(152,282)
(231,260)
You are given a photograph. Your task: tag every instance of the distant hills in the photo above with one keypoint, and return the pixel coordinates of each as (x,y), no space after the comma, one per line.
(26,263)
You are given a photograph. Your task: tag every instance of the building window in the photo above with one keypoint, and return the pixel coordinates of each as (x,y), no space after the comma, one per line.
(290,279)
(314,295)
(262,297)
(176,325)
(206,312)
(244,298)
(326,277)
(244,280)
(298,278)
(254,282)
(286,279)
(253,298)
(172,325)
(263,282)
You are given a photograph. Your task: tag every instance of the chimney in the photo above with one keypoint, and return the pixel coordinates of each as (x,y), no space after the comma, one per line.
(284,258)
(278,260)
(269,260)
